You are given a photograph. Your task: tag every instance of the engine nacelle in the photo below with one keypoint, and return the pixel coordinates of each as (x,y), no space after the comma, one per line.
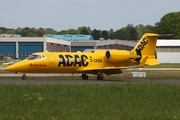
(117,55)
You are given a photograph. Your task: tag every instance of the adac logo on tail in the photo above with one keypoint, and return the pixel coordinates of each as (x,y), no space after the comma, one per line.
(68,60)
(142,44)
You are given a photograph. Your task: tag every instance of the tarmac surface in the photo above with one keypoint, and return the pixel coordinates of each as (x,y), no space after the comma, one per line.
(38,82)
(5,80)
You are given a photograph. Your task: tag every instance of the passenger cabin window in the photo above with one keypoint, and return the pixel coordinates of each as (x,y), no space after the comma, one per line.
(35,57)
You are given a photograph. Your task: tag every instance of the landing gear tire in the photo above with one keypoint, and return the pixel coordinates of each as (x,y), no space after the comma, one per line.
(85,76)
(24,77)
(99,77)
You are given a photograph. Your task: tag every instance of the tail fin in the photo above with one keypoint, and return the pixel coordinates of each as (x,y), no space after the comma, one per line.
(146,47)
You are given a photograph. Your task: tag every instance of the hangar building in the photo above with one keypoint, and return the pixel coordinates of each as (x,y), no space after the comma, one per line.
(115,44)
(168,51)
(70,37)
(78,42)
(21,47)
(15,46)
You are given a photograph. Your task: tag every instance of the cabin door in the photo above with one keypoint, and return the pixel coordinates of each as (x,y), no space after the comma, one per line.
(51,60)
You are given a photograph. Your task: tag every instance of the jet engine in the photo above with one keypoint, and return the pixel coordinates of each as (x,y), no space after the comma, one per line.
(117,55)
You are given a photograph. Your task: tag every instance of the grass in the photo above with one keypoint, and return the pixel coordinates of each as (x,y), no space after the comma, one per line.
(92,101)
(98,102)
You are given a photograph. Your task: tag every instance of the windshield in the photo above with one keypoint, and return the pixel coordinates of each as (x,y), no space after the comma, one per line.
(35,57)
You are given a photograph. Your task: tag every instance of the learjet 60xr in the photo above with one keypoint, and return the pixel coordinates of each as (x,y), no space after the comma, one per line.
(98,62)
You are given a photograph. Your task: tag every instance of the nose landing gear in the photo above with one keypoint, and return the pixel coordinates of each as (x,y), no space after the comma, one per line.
(24,77)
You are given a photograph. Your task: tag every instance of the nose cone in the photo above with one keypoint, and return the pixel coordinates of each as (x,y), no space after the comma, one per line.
(12,68)
(17,67)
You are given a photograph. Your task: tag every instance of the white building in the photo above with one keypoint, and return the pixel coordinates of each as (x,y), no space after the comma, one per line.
(168,51)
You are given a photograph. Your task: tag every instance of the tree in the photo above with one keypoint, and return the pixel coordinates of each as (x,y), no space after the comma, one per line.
(121,34)
(126,33)
(33,31)
(50,31)
(169,23)
(4,29)
(72,31)
(62,32)
(141,30)
(11,31)
(25,31)
(111,33)
(96,34)
(105,34)
(19,31)
(41,32)
(32,35)
(84,30)
(1,31)
(131,32)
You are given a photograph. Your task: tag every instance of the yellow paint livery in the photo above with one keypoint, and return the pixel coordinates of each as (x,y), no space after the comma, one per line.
(98,62)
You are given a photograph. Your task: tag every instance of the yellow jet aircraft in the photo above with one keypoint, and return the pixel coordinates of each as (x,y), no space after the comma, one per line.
(98,62)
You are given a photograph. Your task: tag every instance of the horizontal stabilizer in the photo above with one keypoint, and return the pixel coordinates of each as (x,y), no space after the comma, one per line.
(152,61)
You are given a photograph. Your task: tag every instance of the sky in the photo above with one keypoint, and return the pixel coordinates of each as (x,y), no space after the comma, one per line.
(71,14)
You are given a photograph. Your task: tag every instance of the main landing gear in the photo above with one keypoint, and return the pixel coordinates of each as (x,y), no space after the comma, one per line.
(24,77)
(86,77)
(99,77)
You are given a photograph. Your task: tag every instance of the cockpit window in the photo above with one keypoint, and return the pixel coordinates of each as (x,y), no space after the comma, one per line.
(35,57)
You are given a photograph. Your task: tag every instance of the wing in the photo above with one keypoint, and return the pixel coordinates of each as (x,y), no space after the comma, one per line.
(107,71)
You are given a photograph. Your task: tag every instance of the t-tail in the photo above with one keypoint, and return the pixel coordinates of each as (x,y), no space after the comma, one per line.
(146,49)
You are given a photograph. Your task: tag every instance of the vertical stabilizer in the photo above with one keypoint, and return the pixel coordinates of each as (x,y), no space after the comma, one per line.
(146,49)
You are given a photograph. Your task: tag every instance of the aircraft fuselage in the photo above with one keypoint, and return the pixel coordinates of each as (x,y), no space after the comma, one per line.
(66,62)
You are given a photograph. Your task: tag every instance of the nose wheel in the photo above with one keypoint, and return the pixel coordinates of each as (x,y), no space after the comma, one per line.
(24,77)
